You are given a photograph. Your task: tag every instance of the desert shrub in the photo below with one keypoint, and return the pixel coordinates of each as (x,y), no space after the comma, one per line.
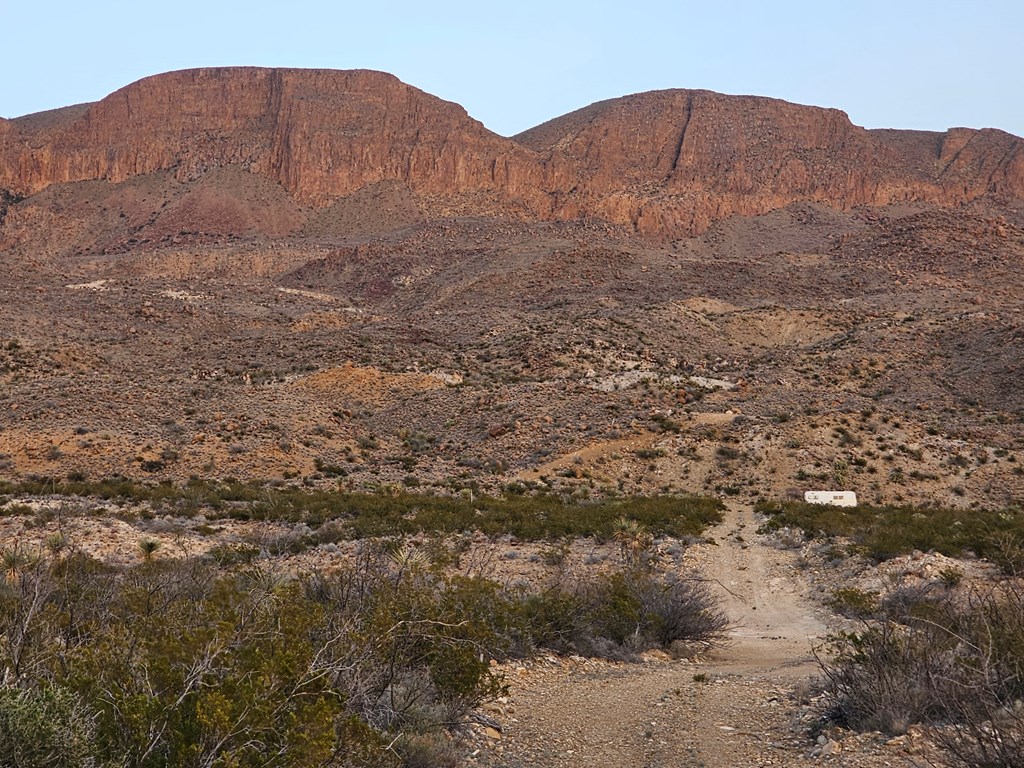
(178,664)
(666,424)
(615,612)
(951,576)
(554,618)
(630,611)
(955,664)
(428,750)
(886,532)
(47,727)
(886,678)
(1006,549)
(187,672)
(853,602)
(14,509)
(365,515)
(329,470)
(649,453)
(234,554)
(186,663)
(677,610)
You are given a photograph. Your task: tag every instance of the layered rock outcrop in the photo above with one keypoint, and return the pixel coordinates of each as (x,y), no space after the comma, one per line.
(674,161)
(321,134)
(667,162)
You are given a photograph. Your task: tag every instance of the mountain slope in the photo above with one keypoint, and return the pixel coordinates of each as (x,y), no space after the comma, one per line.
(674,161)
(320,134)
(665,163)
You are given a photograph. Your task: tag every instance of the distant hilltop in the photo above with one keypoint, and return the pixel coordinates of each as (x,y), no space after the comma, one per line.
(666,163)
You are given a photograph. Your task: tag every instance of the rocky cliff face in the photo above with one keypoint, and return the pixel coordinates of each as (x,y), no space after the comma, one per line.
(674,161)
(321,134)
(668,163)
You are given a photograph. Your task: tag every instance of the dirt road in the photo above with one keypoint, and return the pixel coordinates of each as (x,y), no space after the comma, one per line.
(735,708)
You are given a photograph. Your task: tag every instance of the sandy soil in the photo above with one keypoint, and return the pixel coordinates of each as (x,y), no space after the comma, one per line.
(744,705)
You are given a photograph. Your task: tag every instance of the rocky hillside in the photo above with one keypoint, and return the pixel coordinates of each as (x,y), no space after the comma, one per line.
(331,277)
(229,294)
(667,163)
(672,162)
(320,134)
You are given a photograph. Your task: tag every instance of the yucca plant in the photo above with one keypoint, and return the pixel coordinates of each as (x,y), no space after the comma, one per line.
(14,561)
(148,549)
(633,539)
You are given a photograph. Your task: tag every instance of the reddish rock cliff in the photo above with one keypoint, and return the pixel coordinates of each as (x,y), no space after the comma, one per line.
(666,162)
(321,134)
(674,161)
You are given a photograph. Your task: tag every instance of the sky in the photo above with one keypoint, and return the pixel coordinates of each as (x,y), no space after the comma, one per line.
(894,63)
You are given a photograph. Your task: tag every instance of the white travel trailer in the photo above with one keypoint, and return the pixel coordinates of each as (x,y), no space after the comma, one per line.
(833,498)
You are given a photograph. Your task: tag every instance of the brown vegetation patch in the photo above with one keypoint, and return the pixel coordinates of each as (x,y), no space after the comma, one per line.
(354,383)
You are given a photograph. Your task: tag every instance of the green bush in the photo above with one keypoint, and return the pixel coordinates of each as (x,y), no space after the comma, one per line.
(953,663)
(887,678)
(47,727)
(179,663)
(886,532)
(364,515)
(854,603)
(640,610)
(623,613)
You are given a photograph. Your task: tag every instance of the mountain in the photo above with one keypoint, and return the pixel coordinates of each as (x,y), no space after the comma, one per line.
(672,162)
(336,278)
(320,134)
(666,163)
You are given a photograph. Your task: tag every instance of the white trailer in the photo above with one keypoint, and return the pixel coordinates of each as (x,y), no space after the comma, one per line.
(832,498)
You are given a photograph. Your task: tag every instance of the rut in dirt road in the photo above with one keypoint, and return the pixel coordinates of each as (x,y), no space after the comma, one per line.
(775,623)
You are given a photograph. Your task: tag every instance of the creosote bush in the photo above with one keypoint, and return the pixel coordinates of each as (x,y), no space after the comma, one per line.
(182,663)
(938,654)
(363,515)
(956,663)
(886,532)
(48,727)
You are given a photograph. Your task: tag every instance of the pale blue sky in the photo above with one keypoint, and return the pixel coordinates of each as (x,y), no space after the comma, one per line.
(888,63)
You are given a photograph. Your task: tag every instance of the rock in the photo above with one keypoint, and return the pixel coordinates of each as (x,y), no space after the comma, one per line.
(289,125)
(831,749)
(325,135)
(492,733)
(704,156)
